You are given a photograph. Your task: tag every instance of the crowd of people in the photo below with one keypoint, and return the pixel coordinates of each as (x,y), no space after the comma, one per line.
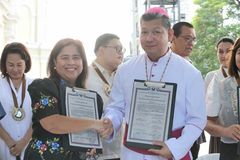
(33,120)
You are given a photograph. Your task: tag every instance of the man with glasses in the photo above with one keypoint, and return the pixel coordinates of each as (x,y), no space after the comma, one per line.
(109,54)
(184,39)
(183,42)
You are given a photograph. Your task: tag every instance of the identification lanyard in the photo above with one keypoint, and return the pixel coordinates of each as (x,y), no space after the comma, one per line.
(106,87)
(18,113)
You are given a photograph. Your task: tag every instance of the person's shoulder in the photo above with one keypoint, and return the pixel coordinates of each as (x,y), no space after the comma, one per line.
(133,59)
(211,73)
(29,80)
(2,78)
(128,66)
(42,81)
(184,63)
(43,85)
(177,58)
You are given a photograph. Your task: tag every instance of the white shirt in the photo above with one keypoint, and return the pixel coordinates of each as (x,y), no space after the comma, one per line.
(16,129)
(189,106)
(208,78)
(213,94)
(94,82)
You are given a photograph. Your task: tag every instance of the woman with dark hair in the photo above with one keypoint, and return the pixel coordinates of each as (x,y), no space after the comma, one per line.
(67,66)
(223,119)
(213,79)
(15,127)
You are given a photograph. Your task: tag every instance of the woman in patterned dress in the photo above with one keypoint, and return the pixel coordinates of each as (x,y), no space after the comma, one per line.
(67,66)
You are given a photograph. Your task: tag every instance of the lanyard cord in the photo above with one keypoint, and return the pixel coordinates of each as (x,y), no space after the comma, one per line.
(100,74)
(23,92)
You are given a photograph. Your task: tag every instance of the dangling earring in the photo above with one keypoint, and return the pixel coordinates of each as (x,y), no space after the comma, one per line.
(55,67)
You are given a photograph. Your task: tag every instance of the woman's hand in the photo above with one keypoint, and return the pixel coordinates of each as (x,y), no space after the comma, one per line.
(17,148)
(107,129)
(232,131)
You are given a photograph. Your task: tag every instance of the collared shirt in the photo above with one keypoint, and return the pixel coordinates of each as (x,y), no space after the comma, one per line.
(16,129)
(213,100)
(208,78)
(189,106)
(210,75)
(94,82)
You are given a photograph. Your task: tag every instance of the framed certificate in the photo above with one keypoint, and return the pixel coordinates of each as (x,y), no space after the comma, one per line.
(81,103)
(2,111)
(238,107)
(151,113)
(238,103)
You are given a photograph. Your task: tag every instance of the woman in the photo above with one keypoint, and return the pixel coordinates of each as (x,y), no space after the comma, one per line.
(67,66)
(213,79)
(15,128)
(223,118)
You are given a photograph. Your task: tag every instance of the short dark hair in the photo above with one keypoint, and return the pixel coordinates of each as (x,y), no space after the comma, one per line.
(225,39)
(104,40)
(148,16)
(15,48)
(178,26)
(81,80)
(233,69)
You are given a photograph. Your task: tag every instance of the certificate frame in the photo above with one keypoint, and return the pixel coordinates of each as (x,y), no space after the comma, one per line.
(238,103)
(82,103)
(151,102)
(2,111)
(238,106)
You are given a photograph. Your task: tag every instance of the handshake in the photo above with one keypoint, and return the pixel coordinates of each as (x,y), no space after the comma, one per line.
(104,127)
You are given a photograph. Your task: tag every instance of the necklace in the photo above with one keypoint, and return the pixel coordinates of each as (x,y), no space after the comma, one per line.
(165,68)
(106,86)
(18,112)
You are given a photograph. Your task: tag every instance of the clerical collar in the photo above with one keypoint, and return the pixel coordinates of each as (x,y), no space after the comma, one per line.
(165,56)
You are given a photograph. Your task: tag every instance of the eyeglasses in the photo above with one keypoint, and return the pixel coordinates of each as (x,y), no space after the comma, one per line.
(118,49)
(189,39)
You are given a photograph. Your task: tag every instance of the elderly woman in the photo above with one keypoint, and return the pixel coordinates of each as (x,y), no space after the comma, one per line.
(15,127)
(67,66)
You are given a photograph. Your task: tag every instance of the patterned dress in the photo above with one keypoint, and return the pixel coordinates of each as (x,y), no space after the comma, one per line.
(47,99)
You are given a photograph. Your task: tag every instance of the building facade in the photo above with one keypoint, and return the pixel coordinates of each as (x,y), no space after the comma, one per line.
(23,21)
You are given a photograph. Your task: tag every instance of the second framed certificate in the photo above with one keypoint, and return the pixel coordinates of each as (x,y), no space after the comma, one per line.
(82,103)
(151,113)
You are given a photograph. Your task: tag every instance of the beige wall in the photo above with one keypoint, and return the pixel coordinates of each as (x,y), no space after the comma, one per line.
(23,21)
